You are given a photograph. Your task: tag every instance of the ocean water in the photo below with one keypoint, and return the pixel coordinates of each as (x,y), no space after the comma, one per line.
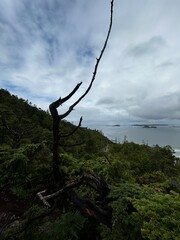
(161,135)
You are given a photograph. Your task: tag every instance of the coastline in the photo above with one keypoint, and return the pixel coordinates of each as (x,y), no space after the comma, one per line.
(162,135)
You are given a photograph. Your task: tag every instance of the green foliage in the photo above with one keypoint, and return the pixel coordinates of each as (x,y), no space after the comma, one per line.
(153,177)
(126,224)
(22,164)
(145,159)
(145,183)
(160,215)
(67,227)
(142,213)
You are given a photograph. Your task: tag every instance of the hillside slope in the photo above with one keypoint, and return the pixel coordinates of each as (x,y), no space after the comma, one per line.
(144,181)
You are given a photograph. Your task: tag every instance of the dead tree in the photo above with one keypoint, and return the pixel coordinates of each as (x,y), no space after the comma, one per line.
(56,134)
(53,106)
(98,211)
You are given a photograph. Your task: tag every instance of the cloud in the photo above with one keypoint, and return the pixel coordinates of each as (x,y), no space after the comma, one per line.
(165,64)
(149,47)
(162,107)
(48,46)
(106,101)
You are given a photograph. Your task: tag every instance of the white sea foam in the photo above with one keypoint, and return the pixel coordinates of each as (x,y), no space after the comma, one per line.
(177,150)
(177,153)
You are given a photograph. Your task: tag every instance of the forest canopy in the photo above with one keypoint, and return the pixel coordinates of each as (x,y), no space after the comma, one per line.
(144,181)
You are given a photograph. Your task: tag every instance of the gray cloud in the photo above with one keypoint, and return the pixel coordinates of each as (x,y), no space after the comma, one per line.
(107,101)
(148,47)
(47,47)
(165,64)
(162,107)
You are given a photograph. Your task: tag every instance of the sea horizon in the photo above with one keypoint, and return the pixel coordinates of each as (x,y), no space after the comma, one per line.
(151,134)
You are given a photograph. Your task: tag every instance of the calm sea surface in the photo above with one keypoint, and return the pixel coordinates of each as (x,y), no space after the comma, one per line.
(162,135)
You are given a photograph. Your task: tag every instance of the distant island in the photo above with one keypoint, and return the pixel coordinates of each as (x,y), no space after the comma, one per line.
(113,125)
(150,125)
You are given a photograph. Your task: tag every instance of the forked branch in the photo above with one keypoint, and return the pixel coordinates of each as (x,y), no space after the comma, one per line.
(97,59)
(95,67)
(74,130)
(53,106)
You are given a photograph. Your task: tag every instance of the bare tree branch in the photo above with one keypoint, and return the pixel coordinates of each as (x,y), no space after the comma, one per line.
(59,192)
(89,209)
(53,106)
(43,199)
(99,212)
(100,184)
(96,66)
(75,129)
(71,94)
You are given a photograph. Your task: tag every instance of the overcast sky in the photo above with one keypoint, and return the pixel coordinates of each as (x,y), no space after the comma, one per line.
(48,46)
